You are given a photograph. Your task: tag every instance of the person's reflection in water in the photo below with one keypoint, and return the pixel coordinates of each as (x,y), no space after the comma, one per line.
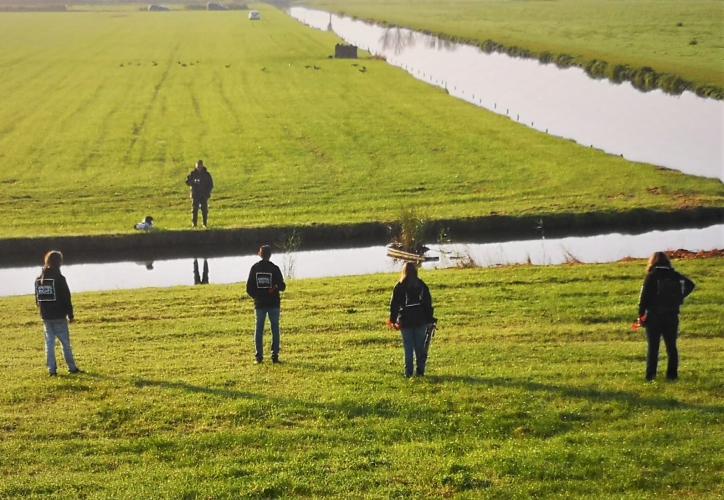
(201,279)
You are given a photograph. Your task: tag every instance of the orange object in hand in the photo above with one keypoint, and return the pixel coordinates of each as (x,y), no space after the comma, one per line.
(392,326)
(641,321)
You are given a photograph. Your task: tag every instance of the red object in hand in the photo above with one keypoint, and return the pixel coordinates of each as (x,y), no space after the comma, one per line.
(641,321)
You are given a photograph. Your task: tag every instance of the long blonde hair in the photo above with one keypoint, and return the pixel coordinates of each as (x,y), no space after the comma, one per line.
(658,259)
(409,272)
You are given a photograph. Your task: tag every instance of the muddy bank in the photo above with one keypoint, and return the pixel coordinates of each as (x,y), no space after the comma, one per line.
(169,244)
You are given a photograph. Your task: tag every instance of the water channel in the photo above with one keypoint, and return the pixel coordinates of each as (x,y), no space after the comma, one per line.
(203,269)
(682,132)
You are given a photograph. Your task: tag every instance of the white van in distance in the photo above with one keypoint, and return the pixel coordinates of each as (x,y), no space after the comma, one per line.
(254,15)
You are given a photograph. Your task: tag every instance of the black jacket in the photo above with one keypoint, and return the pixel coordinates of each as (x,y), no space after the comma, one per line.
(264,284)
(52,295)
(663,292)
(201,183)
(411,304)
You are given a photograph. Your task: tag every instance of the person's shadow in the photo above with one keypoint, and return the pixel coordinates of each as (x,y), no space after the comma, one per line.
(201,279)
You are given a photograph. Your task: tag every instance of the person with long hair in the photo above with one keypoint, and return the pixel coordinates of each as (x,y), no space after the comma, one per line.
(662,294)
(411,312)
(52,296)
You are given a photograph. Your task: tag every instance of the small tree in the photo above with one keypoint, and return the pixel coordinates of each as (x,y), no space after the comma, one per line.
(412,230)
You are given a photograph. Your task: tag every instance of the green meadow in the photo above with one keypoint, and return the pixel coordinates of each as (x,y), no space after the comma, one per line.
(535,388)
(684,39)
(104,113)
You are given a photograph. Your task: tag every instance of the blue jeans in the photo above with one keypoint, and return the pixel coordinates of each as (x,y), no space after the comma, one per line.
(261,314)
(413,340)
(58,329)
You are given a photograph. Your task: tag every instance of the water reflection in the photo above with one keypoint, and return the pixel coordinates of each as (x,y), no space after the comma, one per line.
(201,279)
(681,132)
(369,260)
(399,39)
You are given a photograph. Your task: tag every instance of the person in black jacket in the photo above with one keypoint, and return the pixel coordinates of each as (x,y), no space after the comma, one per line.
(263,285)
(411,312)
(201,185)
(662,294)
(52,296)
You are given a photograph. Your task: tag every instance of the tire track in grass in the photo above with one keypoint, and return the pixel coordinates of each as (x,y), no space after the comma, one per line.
(228,103)
(138,128)
(102,132)
(39,150)
(49,91)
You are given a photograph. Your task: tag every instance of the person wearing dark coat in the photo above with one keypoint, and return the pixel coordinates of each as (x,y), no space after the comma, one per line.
(264,284)
(52,297)
(201,183)
(411,312)
(662,294)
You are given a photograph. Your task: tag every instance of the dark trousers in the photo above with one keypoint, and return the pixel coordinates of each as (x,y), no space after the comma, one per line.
(203,204)
(668,328)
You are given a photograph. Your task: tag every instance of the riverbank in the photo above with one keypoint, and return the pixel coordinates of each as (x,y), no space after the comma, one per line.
(652,44)
(166,244)
(534,388)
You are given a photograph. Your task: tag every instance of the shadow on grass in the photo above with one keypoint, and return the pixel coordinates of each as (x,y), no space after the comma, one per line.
(387,408)
(183,386)
(383,408)
(593,394)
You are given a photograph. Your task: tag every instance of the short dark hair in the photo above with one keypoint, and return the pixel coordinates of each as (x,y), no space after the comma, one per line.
(265,251)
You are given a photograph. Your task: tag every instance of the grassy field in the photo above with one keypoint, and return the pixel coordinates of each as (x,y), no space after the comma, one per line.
(535,388)
(679,38)
(104,114)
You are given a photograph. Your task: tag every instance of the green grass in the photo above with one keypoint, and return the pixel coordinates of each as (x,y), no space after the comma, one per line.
(101,122)
(636,33)
(535,388)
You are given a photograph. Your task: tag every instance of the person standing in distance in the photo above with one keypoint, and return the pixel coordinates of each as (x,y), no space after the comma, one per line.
(201,183)
(411,312)
(264,284)
(52,296)
(662,294)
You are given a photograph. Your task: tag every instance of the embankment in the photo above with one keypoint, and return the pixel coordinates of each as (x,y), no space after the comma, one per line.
(169,244)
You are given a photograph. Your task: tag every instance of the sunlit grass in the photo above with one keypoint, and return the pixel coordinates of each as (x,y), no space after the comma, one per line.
(535,388)
(104,113)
